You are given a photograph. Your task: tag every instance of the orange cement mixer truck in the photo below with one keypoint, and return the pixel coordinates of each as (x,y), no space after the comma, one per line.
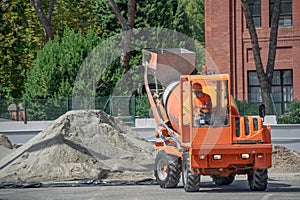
(212,139)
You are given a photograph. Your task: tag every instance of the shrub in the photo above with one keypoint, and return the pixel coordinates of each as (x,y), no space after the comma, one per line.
(247,108)
(292,117)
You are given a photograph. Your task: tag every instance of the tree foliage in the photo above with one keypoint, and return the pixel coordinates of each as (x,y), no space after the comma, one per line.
(56,66)
(189,18)
(181,15)
(20,37)
(246,108)
(75,14)
(143,108)
(293,117)
(55,16)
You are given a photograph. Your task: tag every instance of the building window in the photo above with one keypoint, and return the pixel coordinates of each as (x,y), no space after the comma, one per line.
(255,8)
(282,89)
(285,18)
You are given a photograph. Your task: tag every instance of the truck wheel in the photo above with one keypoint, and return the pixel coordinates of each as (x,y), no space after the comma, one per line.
(220,180)
(258,180)
(191,182)
(167,170)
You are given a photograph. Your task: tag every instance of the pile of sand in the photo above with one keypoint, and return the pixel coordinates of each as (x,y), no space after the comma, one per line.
(80,144)
(6,147)
(285,160)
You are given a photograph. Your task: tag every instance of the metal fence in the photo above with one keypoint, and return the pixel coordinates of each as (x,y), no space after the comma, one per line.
(50,109)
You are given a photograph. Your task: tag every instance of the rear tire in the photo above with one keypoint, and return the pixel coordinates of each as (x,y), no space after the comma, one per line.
(191,182)
(220,180)
(167,170)
(258,180)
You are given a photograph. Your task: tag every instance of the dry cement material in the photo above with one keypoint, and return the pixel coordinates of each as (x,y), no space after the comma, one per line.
(5,142)
(285,160)
(80,144)
(6,147)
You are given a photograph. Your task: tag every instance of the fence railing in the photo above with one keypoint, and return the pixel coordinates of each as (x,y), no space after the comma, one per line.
(50,109)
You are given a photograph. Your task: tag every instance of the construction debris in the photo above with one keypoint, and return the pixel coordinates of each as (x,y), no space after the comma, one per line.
(6,147)
(285,160)
(80,144)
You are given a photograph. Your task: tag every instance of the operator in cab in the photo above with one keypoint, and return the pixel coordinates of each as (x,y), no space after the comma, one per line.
(201,103)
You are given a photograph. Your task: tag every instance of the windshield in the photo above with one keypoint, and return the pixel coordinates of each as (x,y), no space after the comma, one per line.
(210,103)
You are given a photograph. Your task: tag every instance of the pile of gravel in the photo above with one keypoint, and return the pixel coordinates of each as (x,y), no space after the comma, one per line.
(285,160)
(6,147)
(80,144)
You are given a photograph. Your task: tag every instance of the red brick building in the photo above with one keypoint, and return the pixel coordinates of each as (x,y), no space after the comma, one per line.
(229,46)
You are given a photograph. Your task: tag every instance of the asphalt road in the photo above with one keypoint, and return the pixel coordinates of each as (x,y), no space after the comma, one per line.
(281,186)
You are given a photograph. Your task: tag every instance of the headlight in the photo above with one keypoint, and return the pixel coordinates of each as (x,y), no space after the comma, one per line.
(245,155)
(217,157)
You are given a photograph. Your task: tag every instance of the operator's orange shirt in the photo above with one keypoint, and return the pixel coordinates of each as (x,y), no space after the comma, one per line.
(202,101)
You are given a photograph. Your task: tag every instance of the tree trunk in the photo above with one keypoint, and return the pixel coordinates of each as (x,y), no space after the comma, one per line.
(45,20)
(127,26)
(265,79)
(125,53)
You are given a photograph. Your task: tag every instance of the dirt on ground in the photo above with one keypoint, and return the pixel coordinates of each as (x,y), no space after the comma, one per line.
(81,144)
(285,160)
(6,147)
(91,144)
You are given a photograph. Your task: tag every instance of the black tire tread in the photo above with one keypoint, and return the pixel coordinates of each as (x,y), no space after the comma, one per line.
(259,180)
(174,170)
(193,180)
(193,183)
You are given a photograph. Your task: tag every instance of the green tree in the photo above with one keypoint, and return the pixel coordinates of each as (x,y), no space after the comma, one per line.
(108,79)
(247,108)
(154,13)
(75,14)
(20,37)
(56,66)
(142,106)
(149,13)
(52,77)
(292,117)
(55,16)
(189,18)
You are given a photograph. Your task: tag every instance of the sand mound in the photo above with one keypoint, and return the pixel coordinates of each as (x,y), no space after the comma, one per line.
(285,160)
(5,142)
(80,144)
(6,147)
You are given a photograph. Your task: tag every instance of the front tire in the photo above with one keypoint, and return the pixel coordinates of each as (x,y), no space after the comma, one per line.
(258,179)
(220,180)
(167,170)
(191,182)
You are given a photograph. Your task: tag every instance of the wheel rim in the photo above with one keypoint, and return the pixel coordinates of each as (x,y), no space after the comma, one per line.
(162,169)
